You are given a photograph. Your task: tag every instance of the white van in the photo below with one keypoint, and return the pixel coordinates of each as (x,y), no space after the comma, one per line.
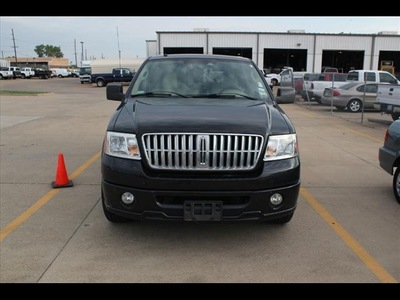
(372,76)
(61,72)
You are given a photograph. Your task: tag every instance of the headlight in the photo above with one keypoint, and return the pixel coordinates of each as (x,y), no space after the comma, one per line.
(121,145)
(281,147)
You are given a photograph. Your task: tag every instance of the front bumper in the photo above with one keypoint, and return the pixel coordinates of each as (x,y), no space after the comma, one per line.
(85,78)
(166,197)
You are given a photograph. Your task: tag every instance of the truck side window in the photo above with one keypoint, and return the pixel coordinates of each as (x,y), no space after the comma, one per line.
(387,78)
(369,76)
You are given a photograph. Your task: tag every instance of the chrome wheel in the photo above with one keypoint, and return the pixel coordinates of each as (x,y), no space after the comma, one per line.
(354,105)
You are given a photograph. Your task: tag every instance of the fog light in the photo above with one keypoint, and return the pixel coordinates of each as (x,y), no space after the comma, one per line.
(276,199)
(127,198)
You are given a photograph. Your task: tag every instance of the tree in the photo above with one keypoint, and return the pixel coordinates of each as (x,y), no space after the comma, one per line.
(40,50)
(48,51)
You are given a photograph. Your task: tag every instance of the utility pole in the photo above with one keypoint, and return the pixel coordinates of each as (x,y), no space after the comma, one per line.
(82,54)
(15,47)
(76,58)
(119,51)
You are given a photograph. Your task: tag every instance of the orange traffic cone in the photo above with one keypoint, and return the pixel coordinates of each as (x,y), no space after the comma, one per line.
(61,176)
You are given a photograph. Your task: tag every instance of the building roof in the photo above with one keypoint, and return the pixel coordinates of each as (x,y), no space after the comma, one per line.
(289,32)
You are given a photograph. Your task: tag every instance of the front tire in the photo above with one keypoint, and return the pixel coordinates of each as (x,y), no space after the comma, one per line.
(396,184)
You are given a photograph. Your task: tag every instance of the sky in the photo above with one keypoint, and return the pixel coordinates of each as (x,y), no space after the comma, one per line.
(111,36)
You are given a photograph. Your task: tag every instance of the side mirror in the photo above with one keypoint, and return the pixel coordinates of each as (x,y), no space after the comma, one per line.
(115,91)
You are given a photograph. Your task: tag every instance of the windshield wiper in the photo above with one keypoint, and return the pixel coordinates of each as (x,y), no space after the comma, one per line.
(223,95)
(158,94)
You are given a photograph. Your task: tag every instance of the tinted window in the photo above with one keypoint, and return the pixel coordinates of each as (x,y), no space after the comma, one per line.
(369,76)
(338,77)
(387,78)
(311,76)
(85,70)
(352,76)
(369,88)
(333,77)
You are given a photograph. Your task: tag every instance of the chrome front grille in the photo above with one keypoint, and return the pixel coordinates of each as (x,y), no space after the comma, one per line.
(202,151)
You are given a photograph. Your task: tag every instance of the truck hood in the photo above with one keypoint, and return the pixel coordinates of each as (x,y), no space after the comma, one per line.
(194,115)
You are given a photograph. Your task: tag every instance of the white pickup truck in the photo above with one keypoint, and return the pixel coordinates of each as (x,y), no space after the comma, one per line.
(372,76)
(276,79)
(5,73)
(313,89)
(388,100)
(27,73)
(316,89)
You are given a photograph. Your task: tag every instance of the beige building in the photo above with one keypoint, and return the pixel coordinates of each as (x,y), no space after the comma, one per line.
(106,65)
(39,62)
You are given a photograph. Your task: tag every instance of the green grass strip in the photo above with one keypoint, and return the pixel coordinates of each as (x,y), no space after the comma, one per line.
(20,93)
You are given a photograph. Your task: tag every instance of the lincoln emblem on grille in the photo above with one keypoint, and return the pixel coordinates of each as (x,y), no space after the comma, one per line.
(203,142)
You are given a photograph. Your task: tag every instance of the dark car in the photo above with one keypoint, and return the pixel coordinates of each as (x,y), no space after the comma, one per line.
(389,155)
(199,138)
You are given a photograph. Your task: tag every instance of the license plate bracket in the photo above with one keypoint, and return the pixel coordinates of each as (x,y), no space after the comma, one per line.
(202,210)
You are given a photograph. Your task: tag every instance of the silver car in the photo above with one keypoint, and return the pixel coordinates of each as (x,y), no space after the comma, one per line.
(351,96)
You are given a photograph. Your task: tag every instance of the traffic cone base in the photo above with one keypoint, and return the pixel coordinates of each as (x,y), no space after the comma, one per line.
(61,176)
(68,184)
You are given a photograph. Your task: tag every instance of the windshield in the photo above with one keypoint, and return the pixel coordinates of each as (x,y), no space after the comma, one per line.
(85,70)
(200,77)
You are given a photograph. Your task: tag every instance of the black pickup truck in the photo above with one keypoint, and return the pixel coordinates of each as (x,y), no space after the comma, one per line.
(42,73)
(117,75)
(199,137)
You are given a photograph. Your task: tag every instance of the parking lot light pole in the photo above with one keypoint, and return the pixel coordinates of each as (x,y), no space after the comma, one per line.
(82,54)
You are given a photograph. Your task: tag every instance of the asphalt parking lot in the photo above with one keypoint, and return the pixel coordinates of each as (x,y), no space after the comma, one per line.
(345,229)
